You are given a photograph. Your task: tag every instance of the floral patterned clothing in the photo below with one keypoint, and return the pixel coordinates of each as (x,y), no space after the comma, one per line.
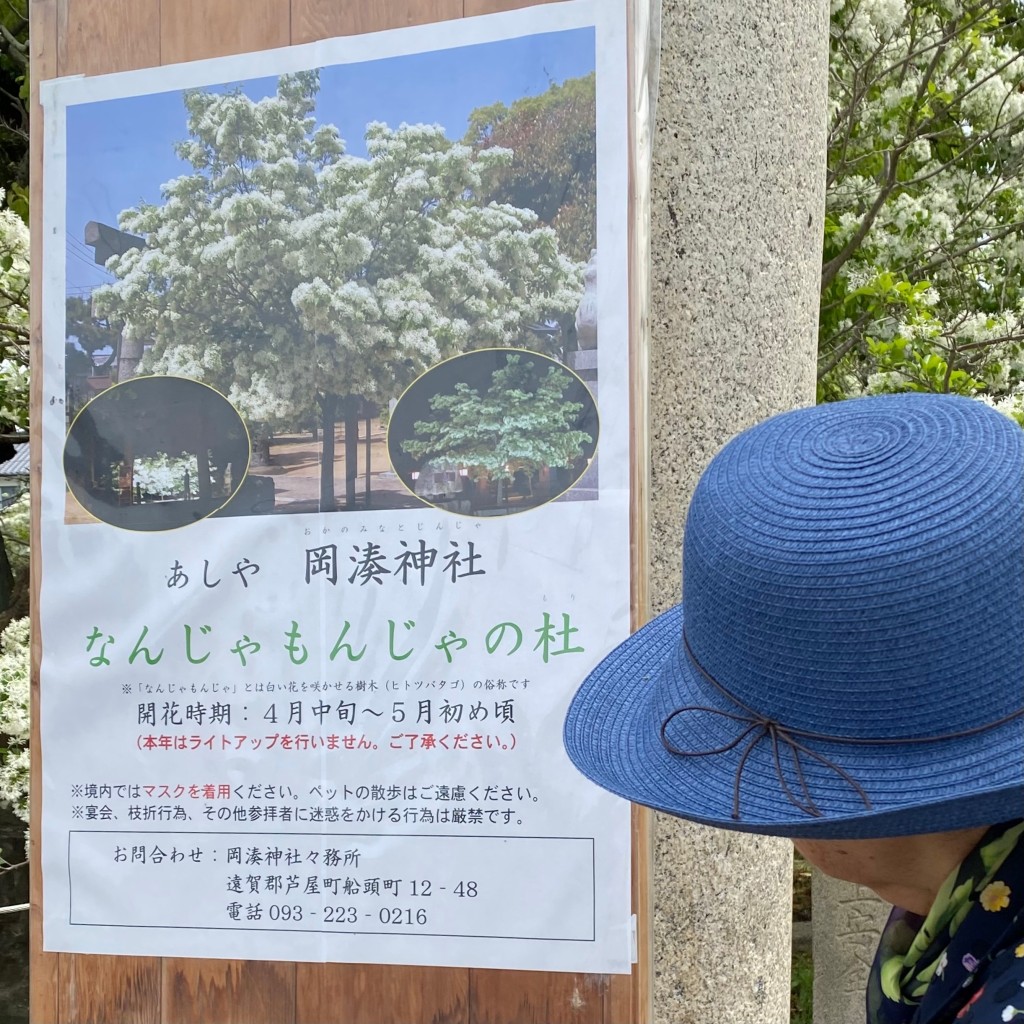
(964,962)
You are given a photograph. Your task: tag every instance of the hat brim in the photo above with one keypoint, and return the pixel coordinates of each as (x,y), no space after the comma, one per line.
(612,734)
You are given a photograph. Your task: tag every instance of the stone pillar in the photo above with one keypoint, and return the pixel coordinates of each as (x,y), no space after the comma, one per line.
(848,920)
(130,355)
(737,208)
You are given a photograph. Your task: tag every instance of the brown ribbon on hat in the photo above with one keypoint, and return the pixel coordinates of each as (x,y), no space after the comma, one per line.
(762,725)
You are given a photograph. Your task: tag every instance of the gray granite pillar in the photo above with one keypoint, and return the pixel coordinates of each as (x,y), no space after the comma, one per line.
(848,920)
(737,206)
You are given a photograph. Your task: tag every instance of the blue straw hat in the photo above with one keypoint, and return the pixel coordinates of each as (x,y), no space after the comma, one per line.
(848,659)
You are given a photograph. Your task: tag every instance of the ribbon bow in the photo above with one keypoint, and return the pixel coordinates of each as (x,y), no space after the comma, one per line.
(758,726)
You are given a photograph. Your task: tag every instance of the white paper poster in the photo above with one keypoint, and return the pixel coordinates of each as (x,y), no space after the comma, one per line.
(335,498)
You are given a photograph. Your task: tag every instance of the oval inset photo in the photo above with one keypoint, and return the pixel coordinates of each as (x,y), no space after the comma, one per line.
(495,432)
(156,453)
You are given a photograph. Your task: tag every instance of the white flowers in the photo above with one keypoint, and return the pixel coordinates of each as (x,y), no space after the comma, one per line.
(1011,405)
(14,390)
(14,715)
(870,21)
(283,268)
(13,314)
(924,176)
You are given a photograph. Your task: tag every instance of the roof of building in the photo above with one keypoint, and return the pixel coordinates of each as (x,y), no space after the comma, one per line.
(17,465)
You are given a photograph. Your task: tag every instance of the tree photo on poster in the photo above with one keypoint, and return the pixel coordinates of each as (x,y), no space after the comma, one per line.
(494,432)
(309,279)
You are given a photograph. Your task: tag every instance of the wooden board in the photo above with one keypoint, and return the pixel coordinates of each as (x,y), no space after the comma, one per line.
(44,967)
(97,36)
(194,29)
(321,19)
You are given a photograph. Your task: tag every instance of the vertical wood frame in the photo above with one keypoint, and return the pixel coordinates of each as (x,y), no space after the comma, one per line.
(91,37)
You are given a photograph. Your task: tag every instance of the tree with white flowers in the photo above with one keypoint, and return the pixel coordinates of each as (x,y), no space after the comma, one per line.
(14,402)
(13,320)
(14,716)
(527,419)
(302,280)
(924,250)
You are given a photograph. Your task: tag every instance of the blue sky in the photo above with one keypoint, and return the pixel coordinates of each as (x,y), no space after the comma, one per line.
(121,151)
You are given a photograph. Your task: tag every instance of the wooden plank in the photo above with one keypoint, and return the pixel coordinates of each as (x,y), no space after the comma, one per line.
(474,7)
(374,994)
(108,990)
(194,29)
(92,37)
(321,19)
(537,997)
(631,998)
(44,967)
(228,992)
(108,35)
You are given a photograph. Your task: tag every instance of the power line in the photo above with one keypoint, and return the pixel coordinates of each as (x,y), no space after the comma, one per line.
(81,259)
(86,255)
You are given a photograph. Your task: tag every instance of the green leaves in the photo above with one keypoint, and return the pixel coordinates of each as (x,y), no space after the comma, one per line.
(524,420)
(551,166)
(17,200)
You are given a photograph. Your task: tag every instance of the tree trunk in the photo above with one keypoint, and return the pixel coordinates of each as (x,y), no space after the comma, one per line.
(351,412)
(203,486)
(6,576)
(260,450)
(18,602)
(368,457)
(328,414)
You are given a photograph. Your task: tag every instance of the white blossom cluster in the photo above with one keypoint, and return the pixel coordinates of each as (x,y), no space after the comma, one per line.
(868,23)
(283,269)
(924,244)
(14,264)
(15,522)
(1011,404)
(14,391)
(14,716)
(164,474)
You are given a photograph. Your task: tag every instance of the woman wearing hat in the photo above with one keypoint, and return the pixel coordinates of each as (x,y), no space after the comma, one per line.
(847,669)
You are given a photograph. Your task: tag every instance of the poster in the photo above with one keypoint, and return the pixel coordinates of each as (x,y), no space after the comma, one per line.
(335,498)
